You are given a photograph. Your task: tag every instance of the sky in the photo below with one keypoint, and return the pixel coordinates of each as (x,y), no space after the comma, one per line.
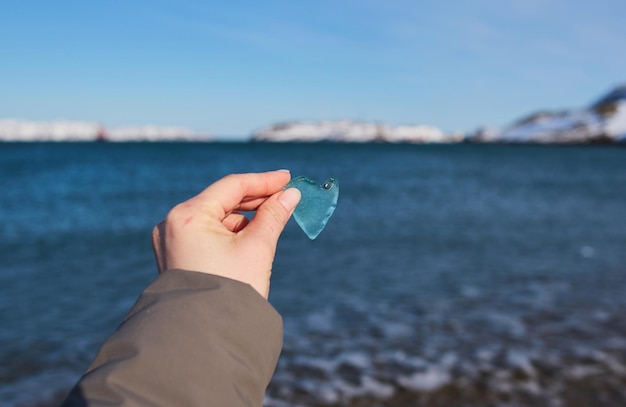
(231,67)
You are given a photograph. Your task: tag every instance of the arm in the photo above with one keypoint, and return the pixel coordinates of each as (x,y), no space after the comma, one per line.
(192,339)
(208,336)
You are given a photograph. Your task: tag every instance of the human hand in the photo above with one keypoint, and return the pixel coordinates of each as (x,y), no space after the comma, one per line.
(208,234)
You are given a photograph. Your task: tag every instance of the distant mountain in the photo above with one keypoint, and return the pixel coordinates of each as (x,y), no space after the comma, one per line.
(350,131)
(65,130)
(602,122)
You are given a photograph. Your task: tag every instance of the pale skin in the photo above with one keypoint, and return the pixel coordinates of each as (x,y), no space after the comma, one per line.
(208,233)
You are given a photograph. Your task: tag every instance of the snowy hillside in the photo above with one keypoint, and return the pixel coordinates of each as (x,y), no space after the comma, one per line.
(349,131)
(604,121)
(154,133)
(64,130)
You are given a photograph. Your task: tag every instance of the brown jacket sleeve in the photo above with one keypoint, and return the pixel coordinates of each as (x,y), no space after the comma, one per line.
(192,339)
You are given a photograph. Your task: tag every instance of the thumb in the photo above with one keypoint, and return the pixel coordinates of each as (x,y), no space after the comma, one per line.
(272,216)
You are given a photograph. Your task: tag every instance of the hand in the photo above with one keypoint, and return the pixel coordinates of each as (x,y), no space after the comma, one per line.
(208,234)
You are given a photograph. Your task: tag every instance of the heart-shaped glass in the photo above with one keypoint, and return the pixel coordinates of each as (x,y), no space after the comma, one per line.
(317,204)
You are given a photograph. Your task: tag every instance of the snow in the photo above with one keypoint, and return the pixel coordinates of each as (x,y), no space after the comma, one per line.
(604,121)
(18,130)
(569,128)
(350,131)
(600,122)
(616,124)
(578,126)
(153,133)
(66,130)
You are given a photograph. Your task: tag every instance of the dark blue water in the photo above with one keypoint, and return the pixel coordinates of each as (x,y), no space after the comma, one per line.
(493,275)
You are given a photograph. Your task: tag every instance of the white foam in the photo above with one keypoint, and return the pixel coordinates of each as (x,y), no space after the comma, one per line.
(321,321)
(510,323)
(429,380)
(448,360)
(520,360)
(324,365)
(376,388)
(368,387)
(348,363)
(356,359)
(486,354)
(408,360)
(327,393)
(582,371)
(397,330)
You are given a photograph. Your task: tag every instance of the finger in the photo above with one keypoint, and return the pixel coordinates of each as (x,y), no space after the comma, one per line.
(272,216)
(235,222)
(234,189)
(157,245)
(250,204)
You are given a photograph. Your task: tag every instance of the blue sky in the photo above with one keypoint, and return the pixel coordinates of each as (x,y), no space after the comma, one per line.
(229,68)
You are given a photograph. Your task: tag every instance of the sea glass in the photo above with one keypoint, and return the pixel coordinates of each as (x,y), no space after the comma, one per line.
(317,204)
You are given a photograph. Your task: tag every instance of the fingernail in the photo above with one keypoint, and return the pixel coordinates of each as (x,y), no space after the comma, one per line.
(289,198)
(283,170)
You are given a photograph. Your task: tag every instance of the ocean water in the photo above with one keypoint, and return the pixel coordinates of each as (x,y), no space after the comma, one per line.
(458,275)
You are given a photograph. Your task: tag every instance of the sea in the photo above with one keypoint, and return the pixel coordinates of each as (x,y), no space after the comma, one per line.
(450,275)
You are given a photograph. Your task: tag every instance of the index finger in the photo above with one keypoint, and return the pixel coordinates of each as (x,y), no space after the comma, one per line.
(230,191)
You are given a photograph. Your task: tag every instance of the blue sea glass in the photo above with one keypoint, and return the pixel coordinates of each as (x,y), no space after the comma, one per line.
(317,204)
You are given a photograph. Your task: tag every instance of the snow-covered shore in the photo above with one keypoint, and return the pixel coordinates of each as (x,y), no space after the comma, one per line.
(349,131)
(604,121)
(65,130)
